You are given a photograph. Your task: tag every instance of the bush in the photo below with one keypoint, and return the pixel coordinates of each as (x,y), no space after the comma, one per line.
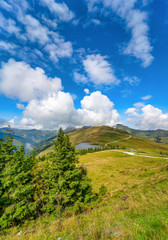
(102,190)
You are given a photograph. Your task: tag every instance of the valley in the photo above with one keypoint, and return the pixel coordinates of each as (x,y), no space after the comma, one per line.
(132,182)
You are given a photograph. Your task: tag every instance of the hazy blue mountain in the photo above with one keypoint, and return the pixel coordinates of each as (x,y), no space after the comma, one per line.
(29,137)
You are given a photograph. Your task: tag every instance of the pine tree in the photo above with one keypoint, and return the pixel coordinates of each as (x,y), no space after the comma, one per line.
(62,183)
(17,194)
(2,164)
(6,151)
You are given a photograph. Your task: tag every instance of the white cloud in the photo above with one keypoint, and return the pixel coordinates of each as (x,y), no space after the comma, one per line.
(20,106)
(10,47)
(152,118)
(19,5)
(133,81)
(97,109)
(139,46)
(35,31)
(139,104)
(96,21)
(19,80)
(49,22)
(136,21)
(51,111)
(59,9)
(55,45)
(59,50)
(148,117)
(147,97)
(99,70)
(132,112)
(96,102)
(80,78)
(58,110)
(9,25)
(86,91)
(5,5)
(28,123)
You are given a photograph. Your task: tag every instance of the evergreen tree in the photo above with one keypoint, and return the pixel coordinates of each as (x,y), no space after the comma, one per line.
(62,183)
(2,163)
(17,189)
(6,150)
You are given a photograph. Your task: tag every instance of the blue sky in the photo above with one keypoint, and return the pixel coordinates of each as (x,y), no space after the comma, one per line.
(85,62)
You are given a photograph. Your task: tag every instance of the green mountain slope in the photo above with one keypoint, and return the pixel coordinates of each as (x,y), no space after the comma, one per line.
(100,134)
(150,134)
(108,136)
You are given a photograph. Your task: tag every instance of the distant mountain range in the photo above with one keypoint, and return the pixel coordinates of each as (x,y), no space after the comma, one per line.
(30,138)
(43,139)
(158,135)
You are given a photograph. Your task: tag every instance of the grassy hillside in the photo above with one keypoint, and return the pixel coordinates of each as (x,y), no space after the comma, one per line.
(99,135)
(135,207)
(107,136)
(102,134)
(150,134)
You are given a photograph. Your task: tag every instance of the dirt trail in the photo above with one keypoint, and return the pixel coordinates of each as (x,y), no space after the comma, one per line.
(139,155)
(118,140)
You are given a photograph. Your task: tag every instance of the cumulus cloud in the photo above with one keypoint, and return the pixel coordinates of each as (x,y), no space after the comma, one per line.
(19,80)
(97,109)
(136,21)
(86,91)
(99,70)
(147,97)
(148,118)
(52,110)
(29,123)
(133,81)
(47,106)
(61,10)
(132,112)
(58,110)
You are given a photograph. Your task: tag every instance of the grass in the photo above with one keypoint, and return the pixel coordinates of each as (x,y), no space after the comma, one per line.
(135,207)
(103,135)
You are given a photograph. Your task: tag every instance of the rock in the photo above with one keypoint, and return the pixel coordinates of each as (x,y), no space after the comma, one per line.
(116,234)
(20,233)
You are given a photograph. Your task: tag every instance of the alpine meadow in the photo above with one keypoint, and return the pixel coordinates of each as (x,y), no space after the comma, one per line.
(83,120)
